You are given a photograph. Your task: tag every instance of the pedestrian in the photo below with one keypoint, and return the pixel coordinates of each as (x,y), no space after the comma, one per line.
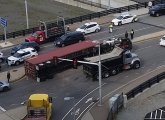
(149,4)
(8,76)
(126,34)
(110,27)
(132,34)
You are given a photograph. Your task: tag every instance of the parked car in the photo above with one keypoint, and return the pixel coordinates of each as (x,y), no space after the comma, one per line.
(162,41)
(4,85)
(157,10)
(21,55)
(23,45)
(89,28)
(69,38)
(124,18)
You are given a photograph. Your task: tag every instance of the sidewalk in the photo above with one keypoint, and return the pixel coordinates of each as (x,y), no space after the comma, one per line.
(18,73)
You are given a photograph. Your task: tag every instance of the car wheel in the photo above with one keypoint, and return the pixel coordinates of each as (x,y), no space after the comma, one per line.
(97,30)
(114,71)
(63,45)
(1,60)
(136,65)
(119,23)
(5,89)
(17,63)
(157,14)
(106,74)
(133,20)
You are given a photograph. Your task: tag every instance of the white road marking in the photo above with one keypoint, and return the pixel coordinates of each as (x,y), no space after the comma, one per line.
(144,48)
(89,99)
(2,109)
(84,111)
(81,100)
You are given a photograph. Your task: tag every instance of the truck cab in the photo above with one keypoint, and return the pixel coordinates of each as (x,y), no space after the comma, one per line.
(111,63)
(39,107)
(38,36)
(47,32)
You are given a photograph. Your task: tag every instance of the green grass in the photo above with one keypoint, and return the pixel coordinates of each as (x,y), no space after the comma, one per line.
(45,10)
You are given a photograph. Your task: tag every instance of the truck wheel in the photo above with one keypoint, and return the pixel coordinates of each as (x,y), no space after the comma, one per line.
(106,74)
(114,71)
(136,65)
(17,63)
(63,45)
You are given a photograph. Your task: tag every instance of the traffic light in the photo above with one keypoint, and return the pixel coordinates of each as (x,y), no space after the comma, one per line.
(75,63)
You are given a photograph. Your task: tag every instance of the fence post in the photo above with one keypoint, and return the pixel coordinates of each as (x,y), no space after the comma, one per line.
(3,37)
(137,5)
(145,4)
(23,32)
(128,8)
(13,34)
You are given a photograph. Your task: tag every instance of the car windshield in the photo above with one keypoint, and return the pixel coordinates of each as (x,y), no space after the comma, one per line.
(35,35)
(156,7)
(17,55)
(18,46)
(120,17)
(83,26)
(163,38)
(63,37)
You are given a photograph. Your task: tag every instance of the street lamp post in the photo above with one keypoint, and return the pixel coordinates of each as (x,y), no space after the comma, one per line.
(27,19)
(109,4)
(74,110)
(100,79)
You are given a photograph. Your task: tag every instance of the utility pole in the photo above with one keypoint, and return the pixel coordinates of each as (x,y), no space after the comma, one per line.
(27,19)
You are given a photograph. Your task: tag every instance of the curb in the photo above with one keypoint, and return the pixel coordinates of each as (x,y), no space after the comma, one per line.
(18,79)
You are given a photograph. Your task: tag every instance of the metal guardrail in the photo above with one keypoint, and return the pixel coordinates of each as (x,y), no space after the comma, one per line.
(84,17)
(145,85)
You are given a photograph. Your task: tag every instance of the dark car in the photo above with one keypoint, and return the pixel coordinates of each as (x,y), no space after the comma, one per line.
(69,38)
(157,10)
(23,45)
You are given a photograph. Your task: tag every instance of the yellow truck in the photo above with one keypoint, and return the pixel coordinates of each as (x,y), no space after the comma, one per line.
(39,107)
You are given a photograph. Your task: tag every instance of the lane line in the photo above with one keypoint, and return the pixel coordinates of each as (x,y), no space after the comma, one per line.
(2,109)
(81,100)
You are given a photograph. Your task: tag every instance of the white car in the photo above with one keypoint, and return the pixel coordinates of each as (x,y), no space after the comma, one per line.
(124,18)
(21,55)
(89,28)
(162,41)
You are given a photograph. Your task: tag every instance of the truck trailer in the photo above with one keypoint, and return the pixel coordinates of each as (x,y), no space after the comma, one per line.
(47,64)
(39,107)
(47,32)
(111,63)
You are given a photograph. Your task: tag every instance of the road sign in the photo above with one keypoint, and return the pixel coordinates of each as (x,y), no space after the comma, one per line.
(3,22)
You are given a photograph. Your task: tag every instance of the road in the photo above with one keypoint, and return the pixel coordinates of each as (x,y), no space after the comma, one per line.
(77,85)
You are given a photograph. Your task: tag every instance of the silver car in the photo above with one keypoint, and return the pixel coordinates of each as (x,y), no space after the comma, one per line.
(4,85)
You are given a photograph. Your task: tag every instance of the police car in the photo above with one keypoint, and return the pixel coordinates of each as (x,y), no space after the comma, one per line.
(124,18)
(21,55)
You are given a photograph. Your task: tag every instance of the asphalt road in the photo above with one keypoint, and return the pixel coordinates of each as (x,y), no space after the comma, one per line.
(73,82)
